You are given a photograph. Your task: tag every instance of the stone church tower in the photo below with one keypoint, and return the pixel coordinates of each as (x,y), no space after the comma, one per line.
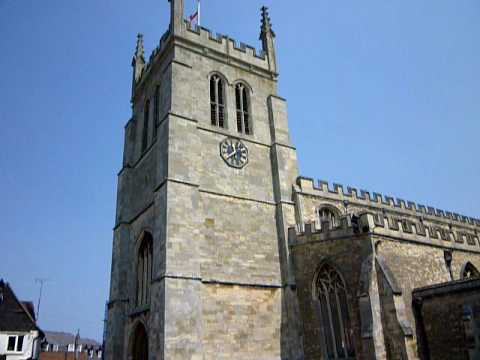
(200,259)
(222,251)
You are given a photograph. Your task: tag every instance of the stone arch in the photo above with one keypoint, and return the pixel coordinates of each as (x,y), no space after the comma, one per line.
(220,75)
(218,95)
(331,299)
(469,271)
(244,83)
(140,237)
(327,212)
(143,267)
(138,343)
(243,107)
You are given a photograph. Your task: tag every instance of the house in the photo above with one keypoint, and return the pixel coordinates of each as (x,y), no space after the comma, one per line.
(62,345)
(20,337)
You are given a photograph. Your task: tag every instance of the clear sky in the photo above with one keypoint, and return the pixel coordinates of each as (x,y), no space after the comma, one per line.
(383,95)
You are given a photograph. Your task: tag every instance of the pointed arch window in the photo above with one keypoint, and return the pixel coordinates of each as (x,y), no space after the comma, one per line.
(325,214)
(242,98)
(144,270)
(156,110)
(146,119)
(469,271)
(217,101)
(332,297)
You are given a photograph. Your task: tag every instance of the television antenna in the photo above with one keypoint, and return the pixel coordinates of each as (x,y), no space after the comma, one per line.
(40,281)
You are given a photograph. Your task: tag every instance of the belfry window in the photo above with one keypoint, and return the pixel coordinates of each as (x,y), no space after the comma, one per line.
(332,298)
(243,109)
(327,215)
(156,110)
(217,101)
(144,270)
(146,119)
(469,271)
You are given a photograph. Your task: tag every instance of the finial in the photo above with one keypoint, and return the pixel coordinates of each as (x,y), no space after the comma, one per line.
(139,52)
(266,24)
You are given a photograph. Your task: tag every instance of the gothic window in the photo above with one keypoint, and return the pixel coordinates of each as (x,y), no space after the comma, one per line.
(156,110)
(326,214)
(144,270)
(332,296)
(243,109)
(469,271)
(146,119)
(217,101)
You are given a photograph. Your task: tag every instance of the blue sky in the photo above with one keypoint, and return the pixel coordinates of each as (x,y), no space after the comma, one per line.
(382,95)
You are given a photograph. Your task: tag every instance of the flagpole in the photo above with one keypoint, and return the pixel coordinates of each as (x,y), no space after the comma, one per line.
(198,10)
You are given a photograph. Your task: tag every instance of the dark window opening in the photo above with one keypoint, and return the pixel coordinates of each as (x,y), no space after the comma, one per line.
(326,215)
(11,343)
(146,119)
(156,111)
(242,102)
(20,343)
(144,270)
(217,101)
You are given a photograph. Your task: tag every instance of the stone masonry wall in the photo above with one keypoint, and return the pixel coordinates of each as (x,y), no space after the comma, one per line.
(346,252)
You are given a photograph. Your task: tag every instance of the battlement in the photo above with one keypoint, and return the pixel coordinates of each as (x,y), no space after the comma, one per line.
(225,47)
(206,34)
(302,232)
(385,225)
(219,45)
(374,199)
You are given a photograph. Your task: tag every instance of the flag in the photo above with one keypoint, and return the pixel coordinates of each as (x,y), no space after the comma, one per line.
(195,15)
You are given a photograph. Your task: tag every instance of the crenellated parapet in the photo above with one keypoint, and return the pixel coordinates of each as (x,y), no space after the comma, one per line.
(378,201)
(398,226)
(307,232)
(218,46)
(226,42)
(385,226)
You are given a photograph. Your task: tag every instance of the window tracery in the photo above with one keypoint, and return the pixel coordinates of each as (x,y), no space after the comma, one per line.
(332,296)
(243,109)
(144,270)
(325,214)
(217,101)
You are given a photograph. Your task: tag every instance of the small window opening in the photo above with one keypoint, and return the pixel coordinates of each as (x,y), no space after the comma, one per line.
(144,270)
(20,343)
(146,119)
(217,101)
(326,215)
(156,110)
(243,109)
(11,343)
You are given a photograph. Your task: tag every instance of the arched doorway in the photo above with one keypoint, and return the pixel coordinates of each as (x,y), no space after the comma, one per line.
(140,344)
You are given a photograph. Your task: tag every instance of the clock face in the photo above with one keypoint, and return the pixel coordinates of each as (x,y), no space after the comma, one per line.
(234,152)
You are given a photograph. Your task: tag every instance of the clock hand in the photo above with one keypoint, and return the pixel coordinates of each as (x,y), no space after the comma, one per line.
(233,152)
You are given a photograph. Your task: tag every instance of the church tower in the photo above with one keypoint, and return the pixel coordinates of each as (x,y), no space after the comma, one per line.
(200,260)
